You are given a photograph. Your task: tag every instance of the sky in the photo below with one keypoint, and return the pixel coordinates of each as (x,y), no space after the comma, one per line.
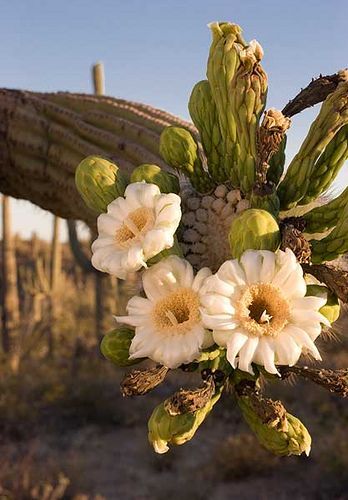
(154,51)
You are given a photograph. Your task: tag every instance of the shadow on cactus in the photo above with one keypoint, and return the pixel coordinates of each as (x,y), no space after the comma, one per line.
(234,285)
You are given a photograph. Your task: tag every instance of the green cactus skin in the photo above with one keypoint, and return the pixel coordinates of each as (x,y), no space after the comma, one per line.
(328,165)
(325,217)
(332,117)
(99,182)
(204,115)
(179,149)
(253,229)
(115,346)
(166,429)
(293,439)
(331,310)
(167,182)
(276,163)
(335,244)
(269,202)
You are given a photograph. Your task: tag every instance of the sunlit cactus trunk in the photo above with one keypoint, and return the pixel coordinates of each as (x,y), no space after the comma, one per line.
(54,282)
(9,298)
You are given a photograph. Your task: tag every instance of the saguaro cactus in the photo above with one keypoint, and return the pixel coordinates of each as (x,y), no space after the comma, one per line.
(9,297)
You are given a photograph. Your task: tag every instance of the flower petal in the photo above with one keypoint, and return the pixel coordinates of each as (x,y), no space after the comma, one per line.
(251,263)
(265,352)
(234,345)
(232,273)
(287,350)
(267,267)
(303,340)
(142,194)
(200,279)
(246,355)
(155,241)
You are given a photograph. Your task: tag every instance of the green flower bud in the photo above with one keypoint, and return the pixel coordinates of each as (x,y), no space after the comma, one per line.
(167,429)
(115,346)
(283,437)
(253,229)
(180,150)
(99,182)
(168,183)
(331,310)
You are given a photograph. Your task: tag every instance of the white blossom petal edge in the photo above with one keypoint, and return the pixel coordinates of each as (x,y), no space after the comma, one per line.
(168,324)
(258,310)
(135,228)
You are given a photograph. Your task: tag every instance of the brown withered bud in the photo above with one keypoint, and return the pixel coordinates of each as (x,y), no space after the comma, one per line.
(335,381)
(189,401)
(293,238)
(140,382)
(271,413)
(271,133)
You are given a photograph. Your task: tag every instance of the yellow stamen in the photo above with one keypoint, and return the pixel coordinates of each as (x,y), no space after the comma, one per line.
(178,312)
(263,310)
(134,226)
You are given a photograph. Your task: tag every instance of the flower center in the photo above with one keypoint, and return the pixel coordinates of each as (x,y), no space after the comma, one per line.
(134,226)
(178,312)
(263,310)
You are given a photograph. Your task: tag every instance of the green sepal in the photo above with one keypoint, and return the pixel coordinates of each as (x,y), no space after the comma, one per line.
(99,182)
(152,174)
(331,310)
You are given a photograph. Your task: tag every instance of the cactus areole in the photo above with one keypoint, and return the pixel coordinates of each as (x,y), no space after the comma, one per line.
(224,259)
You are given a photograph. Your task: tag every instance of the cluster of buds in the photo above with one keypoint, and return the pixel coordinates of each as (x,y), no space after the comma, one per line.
(235,286)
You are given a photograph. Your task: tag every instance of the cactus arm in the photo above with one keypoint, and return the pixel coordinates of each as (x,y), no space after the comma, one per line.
(317,91)
(328,165)
(325,217)
(81,258)
(335,244)
(43,137)
(332,117)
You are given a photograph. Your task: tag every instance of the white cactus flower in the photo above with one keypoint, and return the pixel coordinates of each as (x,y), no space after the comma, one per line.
(258,310)
(168,324)
(135,228)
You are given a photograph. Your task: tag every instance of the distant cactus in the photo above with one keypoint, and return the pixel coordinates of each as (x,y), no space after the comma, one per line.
(10,315)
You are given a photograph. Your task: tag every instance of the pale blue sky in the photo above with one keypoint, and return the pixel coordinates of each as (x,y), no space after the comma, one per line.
(155,50)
